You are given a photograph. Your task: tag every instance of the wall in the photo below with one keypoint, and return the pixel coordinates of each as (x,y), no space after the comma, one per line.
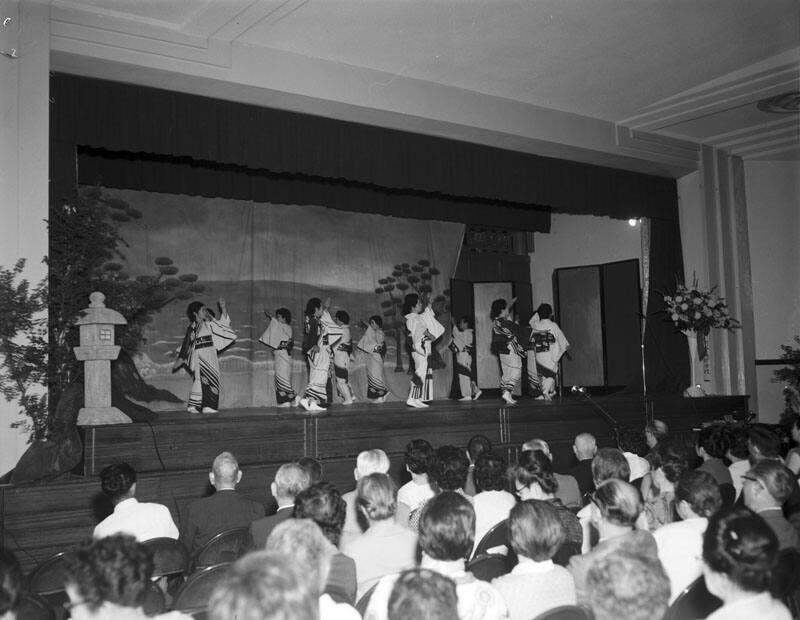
(773,208)
(24,125)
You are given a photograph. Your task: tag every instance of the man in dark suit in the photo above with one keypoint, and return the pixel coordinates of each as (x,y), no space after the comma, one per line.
(584,447)
(290,480)
(224,510)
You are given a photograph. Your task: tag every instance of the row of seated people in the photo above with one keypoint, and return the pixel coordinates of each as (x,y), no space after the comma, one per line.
(377,531)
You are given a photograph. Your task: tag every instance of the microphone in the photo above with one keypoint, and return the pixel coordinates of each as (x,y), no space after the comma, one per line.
(609,419)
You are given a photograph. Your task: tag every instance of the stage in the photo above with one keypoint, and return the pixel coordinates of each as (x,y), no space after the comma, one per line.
(174,454)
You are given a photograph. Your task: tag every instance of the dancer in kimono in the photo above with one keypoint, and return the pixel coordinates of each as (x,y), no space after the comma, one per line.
(205,336)
(505,345)
(321,334)
(278,337)
(341,358)
(423,329)
(373,343)
(463,346)
(554,345)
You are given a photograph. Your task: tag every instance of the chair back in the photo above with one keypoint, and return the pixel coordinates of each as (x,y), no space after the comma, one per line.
(194,595)
(694,602)
(170,557)
(488,566)
(363,602)
(154,601)
(497,536)
(49,576)
(565,612)
(785,583)
(34,607)
(225,547)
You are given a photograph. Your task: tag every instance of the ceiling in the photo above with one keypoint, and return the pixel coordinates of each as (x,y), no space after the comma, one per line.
(639,84)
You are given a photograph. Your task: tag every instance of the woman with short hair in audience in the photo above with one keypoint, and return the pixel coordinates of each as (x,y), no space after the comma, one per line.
(535,584)
(419,458)
(669,463)
(740,553)
(448,473)
(712,443)
(492,502)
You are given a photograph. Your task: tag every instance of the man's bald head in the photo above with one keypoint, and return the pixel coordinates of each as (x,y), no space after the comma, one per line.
(225,472)
(584,446)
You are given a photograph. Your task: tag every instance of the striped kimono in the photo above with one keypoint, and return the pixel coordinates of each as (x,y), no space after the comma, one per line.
(549,353)
(462,346)
(278,337)
(507,348)
(423,329)
(199,349)
(325,334)
(341,361)
(373,343)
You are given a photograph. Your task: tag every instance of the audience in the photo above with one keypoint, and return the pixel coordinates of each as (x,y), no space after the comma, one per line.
(142,520)
(449,473)
(225,509)
(739,555)
(386,547)
(108,578)
(584,447)
(313,467)
(264,586)
(712,444)
(568,491)
(631,445)
(421,594)
(680,544)
(446,536)
(793,457)
(607,464)
(535,584)
(616,507)
(477,445)
(738,454)
(654,432)
(765,445)
(311,552)
(367,462)
(669,462)
(323,504)
(419,459)
(290,480)
(11,580)
(767,486)
(492,503)
(627,586)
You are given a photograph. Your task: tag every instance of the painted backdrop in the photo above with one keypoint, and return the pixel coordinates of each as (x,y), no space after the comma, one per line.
(263,256)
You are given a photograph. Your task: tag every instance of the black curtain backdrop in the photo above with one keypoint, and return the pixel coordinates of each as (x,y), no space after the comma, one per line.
(134,137)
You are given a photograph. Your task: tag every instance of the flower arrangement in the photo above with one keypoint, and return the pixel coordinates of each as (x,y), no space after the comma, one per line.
(691,309)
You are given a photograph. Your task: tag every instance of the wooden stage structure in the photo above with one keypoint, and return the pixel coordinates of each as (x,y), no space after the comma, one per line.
(173,455)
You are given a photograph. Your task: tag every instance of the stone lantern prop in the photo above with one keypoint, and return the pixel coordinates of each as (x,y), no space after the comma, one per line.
(96,352)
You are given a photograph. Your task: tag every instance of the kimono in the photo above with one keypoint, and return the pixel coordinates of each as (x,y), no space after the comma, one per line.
(201,343)
(505,345)
(423,329)
(341,362)
(278,337)
(549,353)
(373,343)
(462,346)
(323,333)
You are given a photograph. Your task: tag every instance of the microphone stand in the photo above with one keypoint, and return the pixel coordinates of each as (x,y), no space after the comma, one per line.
(610,420)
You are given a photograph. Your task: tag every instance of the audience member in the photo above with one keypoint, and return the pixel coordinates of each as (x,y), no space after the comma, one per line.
(765,445)
(141,520)
(584,447)
(422,594)
(322,503)
(535,584)
(632,445)
(225,509)
(767,486)
(386,547)
(533,478)
(680,544)
(477,445)
(109,578)
(654,432)
(739,553)
(793,457)
(627,586)
(446,536)
(568,491)
(419,459)
(313,467)
(712,443)
(311,553)
(264,586)
(449,473)
(11,580)
(669,462)
(367,462)
(607,464)
(615,509)
(290,480)
(738,454)
(492,502)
